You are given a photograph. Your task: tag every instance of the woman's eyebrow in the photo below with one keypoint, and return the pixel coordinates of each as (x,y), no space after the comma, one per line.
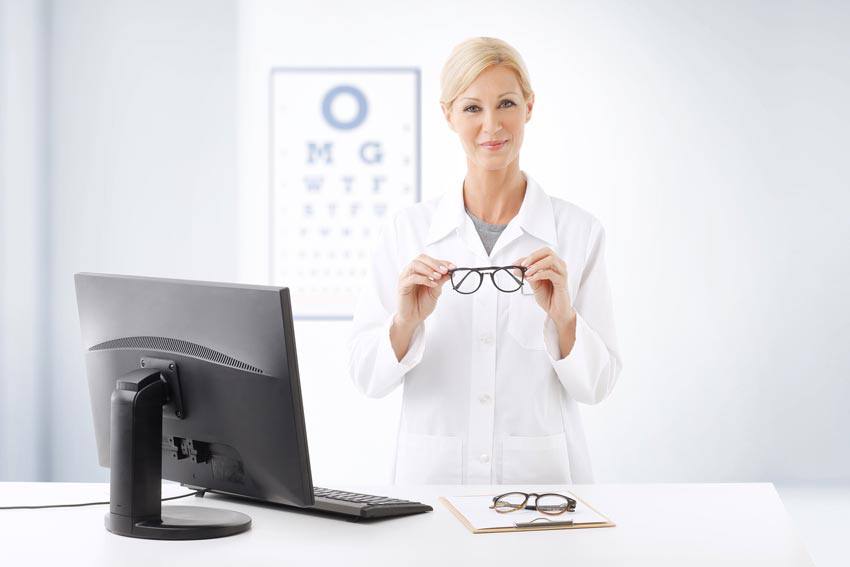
(475,99)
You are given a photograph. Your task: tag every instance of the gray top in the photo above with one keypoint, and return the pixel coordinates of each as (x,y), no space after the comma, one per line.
(489,233)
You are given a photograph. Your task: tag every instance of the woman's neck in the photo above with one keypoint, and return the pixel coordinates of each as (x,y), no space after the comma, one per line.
(494,196)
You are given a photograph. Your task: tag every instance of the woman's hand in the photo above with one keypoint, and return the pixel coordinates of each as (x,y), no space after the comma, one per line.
(547,275)
(419,287)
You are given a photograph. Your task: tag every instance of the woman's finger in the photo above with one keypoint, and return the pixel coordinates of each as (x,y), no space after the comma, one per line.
(548,262)
(441,266)
(430,264)
(535,256)
(420,267)
(439,279)
(557,279)
(411,281)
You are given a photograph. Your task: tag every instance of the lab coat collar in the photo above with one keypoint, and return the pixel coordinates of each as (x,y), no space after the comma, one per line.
(448,216)
(535,216)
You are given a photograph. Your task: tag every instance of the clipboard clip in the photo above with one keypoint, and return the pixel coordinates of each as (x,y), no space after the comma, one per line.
(546,521)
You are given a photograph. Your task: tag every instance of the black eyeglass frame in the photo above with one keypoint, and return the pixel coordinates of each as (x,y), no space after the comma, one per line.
(492,271)
(571,503)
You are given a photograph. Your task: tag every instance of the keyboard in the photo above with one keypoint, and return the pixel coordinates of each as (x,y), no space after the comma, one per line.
(351,504)
(364,505)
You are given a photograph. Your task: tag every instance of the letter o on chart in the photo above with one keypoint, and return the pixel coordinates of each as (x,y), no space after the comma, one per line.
(359,99)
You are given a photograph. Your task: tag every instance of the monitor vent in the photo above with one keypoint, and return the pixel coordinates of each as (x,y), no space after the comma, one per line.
(176,346)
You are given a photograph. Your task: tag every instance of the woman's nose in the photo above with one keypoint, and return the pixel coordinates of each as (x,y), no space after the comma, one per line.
(491,122)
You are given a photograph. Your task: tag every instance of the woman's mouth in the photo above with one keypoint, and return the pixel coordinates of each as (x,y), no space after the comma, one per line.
(494,146)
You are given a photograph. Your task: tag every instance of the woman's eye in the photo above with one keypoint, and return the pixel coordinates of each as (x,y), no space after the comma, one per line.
(474,107)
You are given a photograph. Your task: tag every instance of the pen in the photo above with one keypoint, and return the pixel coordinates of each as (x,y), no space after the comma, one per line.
(534,523)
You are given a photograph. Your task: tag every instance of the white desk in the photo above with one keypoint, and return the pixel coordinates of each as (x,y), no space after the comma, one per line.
(657,524)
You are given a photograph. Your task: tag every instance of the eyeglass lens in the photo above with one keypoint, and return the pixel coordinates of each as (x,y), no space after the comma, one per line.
(466,281)
(545,503)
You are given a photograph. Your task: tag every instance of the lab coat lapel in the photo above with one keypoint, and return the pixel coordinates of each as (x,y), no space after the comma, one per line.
(535,217)
(450,218)
(447,217)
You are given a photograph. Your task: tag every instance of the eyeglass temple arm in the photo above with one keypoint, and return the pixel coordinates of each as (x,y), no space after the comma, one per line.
(514,277)
(570,506)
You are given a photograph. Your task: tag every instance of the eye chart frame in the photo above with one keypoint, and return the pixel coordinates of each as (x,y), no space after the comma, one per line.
(289,243)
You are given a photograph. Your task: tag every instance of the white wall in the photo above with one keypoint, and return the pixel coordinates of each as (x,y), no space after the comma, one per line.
(143,169)
(24,442)
(708,138)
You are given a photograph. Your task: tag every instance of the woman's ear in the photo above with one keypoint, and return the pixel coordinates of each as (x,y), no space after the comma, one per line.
(447,112)
(529,104)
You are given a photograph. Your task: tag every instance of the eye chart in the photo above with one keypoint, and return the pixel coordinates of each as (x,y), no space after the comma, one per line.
(344,146)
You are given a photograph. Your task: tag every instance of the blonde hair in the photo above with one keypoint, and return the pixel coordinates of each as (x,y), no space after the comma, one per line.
(470,58)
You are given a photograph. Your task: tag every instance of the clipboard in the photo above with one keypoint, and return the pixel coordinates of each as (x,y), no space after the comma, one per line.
(479,503)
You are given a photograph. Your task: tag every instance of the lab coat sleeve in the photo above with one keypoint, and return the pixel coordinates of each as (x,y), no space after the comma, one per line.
(590,370)
(372,363)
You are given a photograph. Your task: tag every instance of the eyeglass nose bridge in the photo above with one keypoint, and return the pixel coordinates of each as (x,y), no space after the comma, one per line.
(487,272)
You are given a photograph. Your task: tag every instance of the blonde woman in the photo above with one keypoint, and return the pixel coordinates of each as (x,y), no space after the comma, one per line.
(490,304)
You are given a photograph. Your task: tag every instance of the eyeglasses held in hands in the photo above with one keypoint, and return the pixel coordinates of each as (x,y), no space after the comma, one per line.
(550,503)
(506,278)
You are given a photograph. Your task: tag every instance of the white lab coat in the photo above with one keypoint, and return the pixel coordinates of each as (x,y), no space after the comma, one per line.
(486,399)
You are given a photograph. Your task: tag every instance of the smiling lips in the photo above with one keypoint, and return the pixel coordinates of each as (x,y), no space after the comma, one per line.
(494,145)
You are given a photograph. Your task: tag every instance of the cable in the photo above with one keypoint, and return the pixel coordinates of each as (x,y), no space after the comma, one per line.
(196,492)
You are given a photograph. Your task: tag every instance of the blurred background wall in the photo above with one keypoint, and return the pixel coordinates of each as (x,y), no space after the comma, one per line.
(709,138)
(119,125)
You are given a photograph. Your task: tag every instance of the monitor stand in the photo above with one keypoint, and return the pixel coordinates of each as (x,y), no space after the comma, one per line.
(135,455)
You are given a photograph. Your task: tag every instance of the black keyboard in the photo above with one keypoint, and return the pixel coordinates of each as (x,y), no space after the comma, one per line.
(364,505)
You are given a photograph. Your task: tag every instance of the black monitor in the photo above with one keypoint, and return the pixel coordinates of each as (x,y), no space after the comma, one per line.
(195,382)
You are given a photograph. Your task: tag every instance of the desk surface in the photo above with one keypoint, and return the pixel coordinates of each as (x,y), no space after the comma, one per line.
(657,524)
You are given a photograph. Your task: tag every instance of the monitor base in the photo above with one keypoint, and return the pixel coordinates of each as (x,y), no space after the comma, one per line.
(181,522)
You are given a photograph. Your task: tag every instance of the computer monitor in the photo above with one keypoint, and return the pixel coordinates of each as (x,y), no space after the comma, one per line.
(195,382)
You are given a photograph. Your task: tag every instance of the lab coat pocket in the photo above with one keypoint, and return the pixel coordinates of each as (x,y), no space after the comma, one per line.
(525,321)
(530,460)
(428,459)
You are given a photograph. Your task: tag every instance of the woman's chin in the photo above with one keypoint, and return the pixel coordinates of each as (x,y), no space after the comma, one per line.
(493,163)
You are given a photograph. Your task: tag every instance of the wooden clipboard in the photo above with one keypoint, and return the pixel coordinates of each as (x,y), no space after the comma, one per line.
(540,527)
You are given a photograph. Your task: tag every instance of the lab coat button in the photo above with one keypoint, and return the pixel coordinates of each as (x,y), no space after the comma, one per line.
(484,458)
(487,339)
(484,398)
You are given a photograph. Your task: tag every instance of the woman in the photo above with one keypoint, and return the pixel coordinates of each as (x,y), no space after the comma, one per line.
(492,379)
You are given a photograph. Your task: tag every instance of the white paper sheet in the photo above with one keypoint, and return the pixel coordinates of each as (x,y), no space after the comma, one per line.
(477,511)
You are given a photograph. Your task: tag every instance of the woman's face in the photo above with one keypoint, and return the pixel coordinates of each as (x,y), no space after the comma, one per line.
(489,118)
